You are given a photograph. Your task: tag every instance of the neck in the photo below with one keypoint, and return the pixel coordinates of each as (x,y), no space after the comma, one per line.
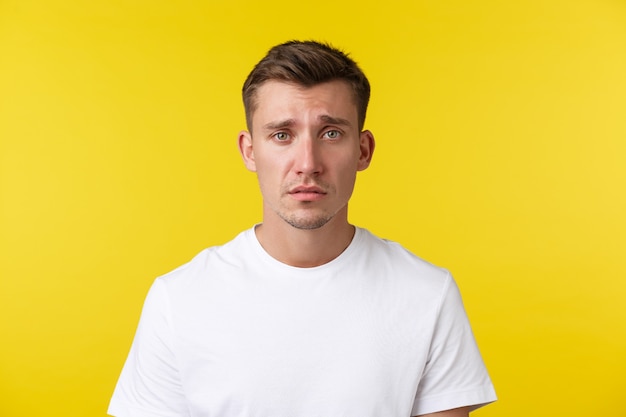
(305,248)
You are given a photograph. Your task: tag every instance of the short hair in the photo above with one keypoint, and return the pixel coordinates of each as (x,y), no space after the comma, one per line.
(306,63)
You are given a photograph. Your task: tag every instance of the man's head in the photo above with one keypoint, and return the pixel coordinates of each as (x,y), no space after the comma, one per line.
(307,64)
(305,106)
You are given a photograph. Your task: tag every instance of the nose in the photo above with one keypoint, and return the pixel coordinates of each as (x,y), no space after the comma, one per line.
(307,159)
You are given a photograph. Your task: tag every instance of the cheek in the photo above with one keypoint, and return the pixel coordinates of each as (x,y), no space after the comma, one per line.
(268,169)
(347,177)
(268,174)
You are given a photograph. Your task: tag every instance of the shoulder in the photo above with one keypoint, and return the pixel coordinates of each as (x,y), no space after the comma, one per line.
(390,262)
(394,255)
(208,262)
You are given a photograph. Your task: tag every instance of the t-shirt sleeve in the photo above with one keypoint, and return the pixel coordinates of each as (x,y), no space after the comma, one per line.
(455,374)
(150,385)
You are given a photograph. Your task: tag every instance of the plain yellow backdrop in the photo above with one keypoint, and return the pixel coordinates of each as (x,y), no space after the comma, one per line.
(501,155)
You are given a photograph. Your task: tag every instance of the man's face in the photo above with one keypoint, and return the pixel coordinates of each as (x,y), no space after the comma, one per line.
(306,148)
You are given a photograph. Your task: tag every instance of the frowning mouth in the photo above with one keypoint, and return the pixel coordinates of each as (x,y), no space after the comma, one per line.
(307,193)
(307,189)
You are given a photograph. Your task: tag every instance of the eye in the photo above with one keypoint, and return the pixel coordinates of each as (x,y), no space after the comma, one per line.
(332,134)
(281,136)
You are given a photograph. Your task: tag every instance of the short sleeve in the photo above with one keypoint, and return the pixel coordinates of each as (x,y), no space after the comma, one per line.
(455,374)
(150,385)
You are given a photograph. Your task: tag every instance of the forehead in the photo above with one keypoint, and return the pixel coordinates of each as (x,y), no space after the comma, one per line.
(276,99)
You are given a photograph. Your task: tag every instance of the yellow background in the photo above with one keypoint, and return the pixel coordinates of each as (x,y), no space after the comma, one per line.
(501,132)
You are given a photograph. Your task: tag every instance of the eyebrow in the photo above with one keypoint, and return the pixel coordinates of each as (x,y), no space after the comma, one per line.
(335,120)
(281,124)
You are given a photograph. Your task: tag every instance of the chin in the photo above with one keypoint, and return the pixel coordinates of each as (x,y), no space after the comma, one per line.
(309,223)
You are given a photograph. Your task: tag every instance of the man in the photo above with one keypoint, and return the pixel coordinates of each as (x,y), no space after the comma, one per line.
(304,315)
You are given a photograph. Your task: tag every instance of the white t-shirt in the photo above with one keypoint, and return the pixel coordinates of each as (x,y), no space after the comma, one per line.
(376,332)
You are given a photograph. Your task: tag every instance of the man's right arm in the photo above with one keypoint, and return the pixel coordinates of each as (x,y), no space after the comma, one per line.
(149,385)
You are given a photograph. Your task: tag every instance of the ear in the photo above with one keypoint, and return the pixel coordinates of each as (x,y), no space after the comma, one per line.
(366,145)
(246,151)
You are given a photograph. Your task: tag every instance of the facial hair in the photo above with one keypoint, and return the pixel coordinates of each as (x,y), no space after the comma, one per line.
(311,222)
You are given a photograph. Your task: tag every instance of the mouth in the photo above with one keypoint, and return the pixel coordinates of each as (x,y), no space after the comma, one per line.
(307,193)
(307,189)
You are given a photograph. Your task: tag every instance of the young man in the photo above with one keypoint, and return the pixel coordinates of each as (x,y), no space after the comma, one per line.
(304,315)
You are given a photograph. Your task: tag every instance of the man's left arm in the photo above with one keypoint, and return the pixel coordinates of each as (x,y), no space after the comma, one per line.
(455,412)
(455,376)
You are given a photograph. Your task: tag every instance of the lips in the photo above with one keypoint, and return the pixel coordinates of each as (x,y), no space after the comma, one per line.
(307,193)
(307,189)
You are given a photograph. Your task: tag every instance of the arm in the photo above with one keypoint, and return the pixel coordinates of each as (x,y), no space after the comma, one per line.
(454,375)
(150,384)
(455,412)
